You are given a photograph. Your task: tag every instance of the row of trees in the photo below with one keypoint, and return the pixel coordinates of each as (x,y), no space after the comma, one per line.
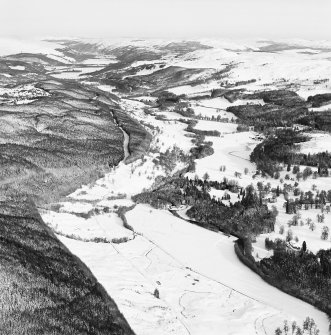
(302,271)
(306,202)
(309,327)
(243,218)
(246,216)
(268,116)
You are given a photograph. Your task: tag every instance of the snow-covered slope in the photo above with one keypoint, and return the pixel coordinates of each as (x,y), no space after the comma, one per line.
(10,46)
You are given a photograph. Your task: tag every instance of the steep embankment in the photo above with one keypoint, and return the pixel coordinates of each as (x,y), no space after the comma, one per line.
(139,138)
(44,288)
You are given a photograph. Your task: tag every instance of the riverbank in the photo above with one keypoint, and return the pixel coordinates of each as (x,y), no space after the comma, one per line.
(305,295)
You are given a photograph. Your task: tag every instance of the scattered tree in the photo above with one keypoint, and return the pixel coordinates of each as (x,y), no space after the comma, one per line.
(205,176)
(289,236)
(325,233)
(281,230)
(312,226)
(156,293)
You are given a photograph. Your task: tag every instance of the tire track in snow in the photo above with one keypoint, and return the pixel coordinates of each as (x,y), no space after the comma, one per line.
(214,108)
(199,273)
(187,292)
(267,317)
(151,282)
(231,153)
(260,329)
(150,261)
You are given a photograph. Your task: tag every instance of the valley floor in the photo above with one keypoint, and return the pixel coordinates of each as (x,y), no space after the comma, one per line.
(166,275)
(203,287)
(169,276)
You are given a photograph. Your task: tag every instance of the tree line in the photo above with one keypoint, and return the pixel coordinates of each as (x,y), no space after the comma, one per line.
(280,146)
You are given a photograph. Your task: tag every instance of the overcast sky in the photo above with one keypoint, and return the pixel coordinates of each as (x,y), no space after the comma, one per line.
(308,19)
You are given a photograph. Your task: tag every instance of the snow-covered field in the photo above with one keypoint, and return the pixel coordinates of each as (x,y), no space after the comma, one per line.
(203,288)
(10,46)
(101,61)
(319,142)
(17,67)
(171,131)
(122,275)
(126,179)
(325,108)
(197,89)
(232,151)
(302,232)
(220,193)
(222,127)
(293,66)
(301,64)
(106,88)
(222,103)
(212,255)
(205,110)
(74,73)
(107,226)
